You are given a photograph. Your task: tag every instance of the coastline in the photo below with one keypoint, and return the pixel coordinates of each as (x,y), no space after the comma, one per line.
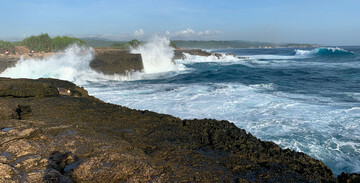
(108,61)
(48,136)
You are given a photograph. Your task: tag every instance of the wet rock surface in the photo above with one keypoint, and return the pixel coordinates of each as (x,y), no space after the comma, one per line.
(82,139)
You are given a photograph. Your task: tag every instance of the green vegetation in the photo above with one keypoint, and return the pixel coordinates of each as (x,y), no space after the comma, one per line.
(43,42)
(38,43)
(134,43)
(126,45)
(121,45)
(5,45)
(98,42)
(172,44)
(59,43)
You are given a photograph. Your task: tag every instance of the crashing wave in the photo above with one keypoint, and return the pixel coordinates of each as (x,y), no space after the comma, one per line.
(72,64)
(323,52)
(157,56)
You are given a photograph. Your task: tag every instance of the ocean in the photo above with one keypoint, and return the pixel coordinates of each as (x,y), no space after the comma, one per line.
(304,99)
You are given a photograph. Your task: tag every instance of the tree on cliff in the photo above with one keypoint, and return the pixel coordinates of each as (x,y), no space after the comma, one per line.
(172,44)
(5,45)
(134,43)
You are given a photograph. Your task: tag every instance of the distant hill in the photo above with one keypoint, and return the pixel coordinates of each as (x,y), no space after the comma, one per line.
(101,42)
(98,42)
(235,44)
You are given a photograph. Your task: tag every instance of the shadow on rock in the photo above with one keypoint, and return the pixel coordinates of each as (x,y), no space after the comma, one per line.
(60,167)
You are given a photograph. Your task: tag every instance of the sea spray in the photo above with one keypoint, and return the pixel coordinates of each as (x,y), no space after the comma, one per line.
(72,64)
(157,55)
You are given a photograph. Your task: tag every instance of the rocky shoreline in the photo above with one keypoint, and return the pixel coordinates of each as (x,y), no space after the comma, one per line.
(50,136)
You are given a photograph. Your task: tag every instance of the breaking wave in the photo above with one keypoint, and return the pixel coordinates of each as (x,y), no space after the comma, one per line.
(323,52)
(72,64)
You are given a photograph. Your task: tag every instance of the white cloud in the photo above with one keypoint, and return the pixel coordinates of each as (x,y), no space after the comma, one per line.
(187,33)
(139,32)
(168,33)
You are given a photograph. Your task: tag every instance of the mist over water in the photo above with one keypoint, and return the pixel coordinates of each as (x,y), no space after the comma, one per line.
(307,100)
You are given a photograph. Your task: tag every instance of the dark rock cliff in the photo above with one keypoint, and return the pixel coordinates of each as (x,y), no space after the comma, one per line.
(6,62)
(46,136)
(115,61)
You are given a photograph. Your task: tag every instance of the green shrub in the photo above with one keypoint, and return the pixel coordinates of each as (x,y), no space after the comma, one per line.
(134,43)
(59,43)
(121,45)
(172,44)
(43,42)
(38,43)
(5,45)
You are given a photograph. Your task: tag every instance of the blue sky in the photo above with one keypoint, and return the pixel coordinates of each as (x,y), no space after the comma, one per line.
(304,21)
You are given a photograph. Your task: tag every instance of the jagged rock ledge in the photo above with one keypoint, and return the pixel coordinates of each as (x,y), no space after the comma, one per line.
(47,135)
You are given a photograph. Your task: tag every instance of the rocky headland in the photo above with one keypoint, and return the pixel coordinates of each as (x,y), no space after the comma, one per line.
(53,131)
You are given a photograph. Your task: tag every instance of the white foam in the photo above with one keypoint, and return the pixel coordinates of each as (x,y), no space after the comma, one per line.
(212,58)
(269,57)
(306,52)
